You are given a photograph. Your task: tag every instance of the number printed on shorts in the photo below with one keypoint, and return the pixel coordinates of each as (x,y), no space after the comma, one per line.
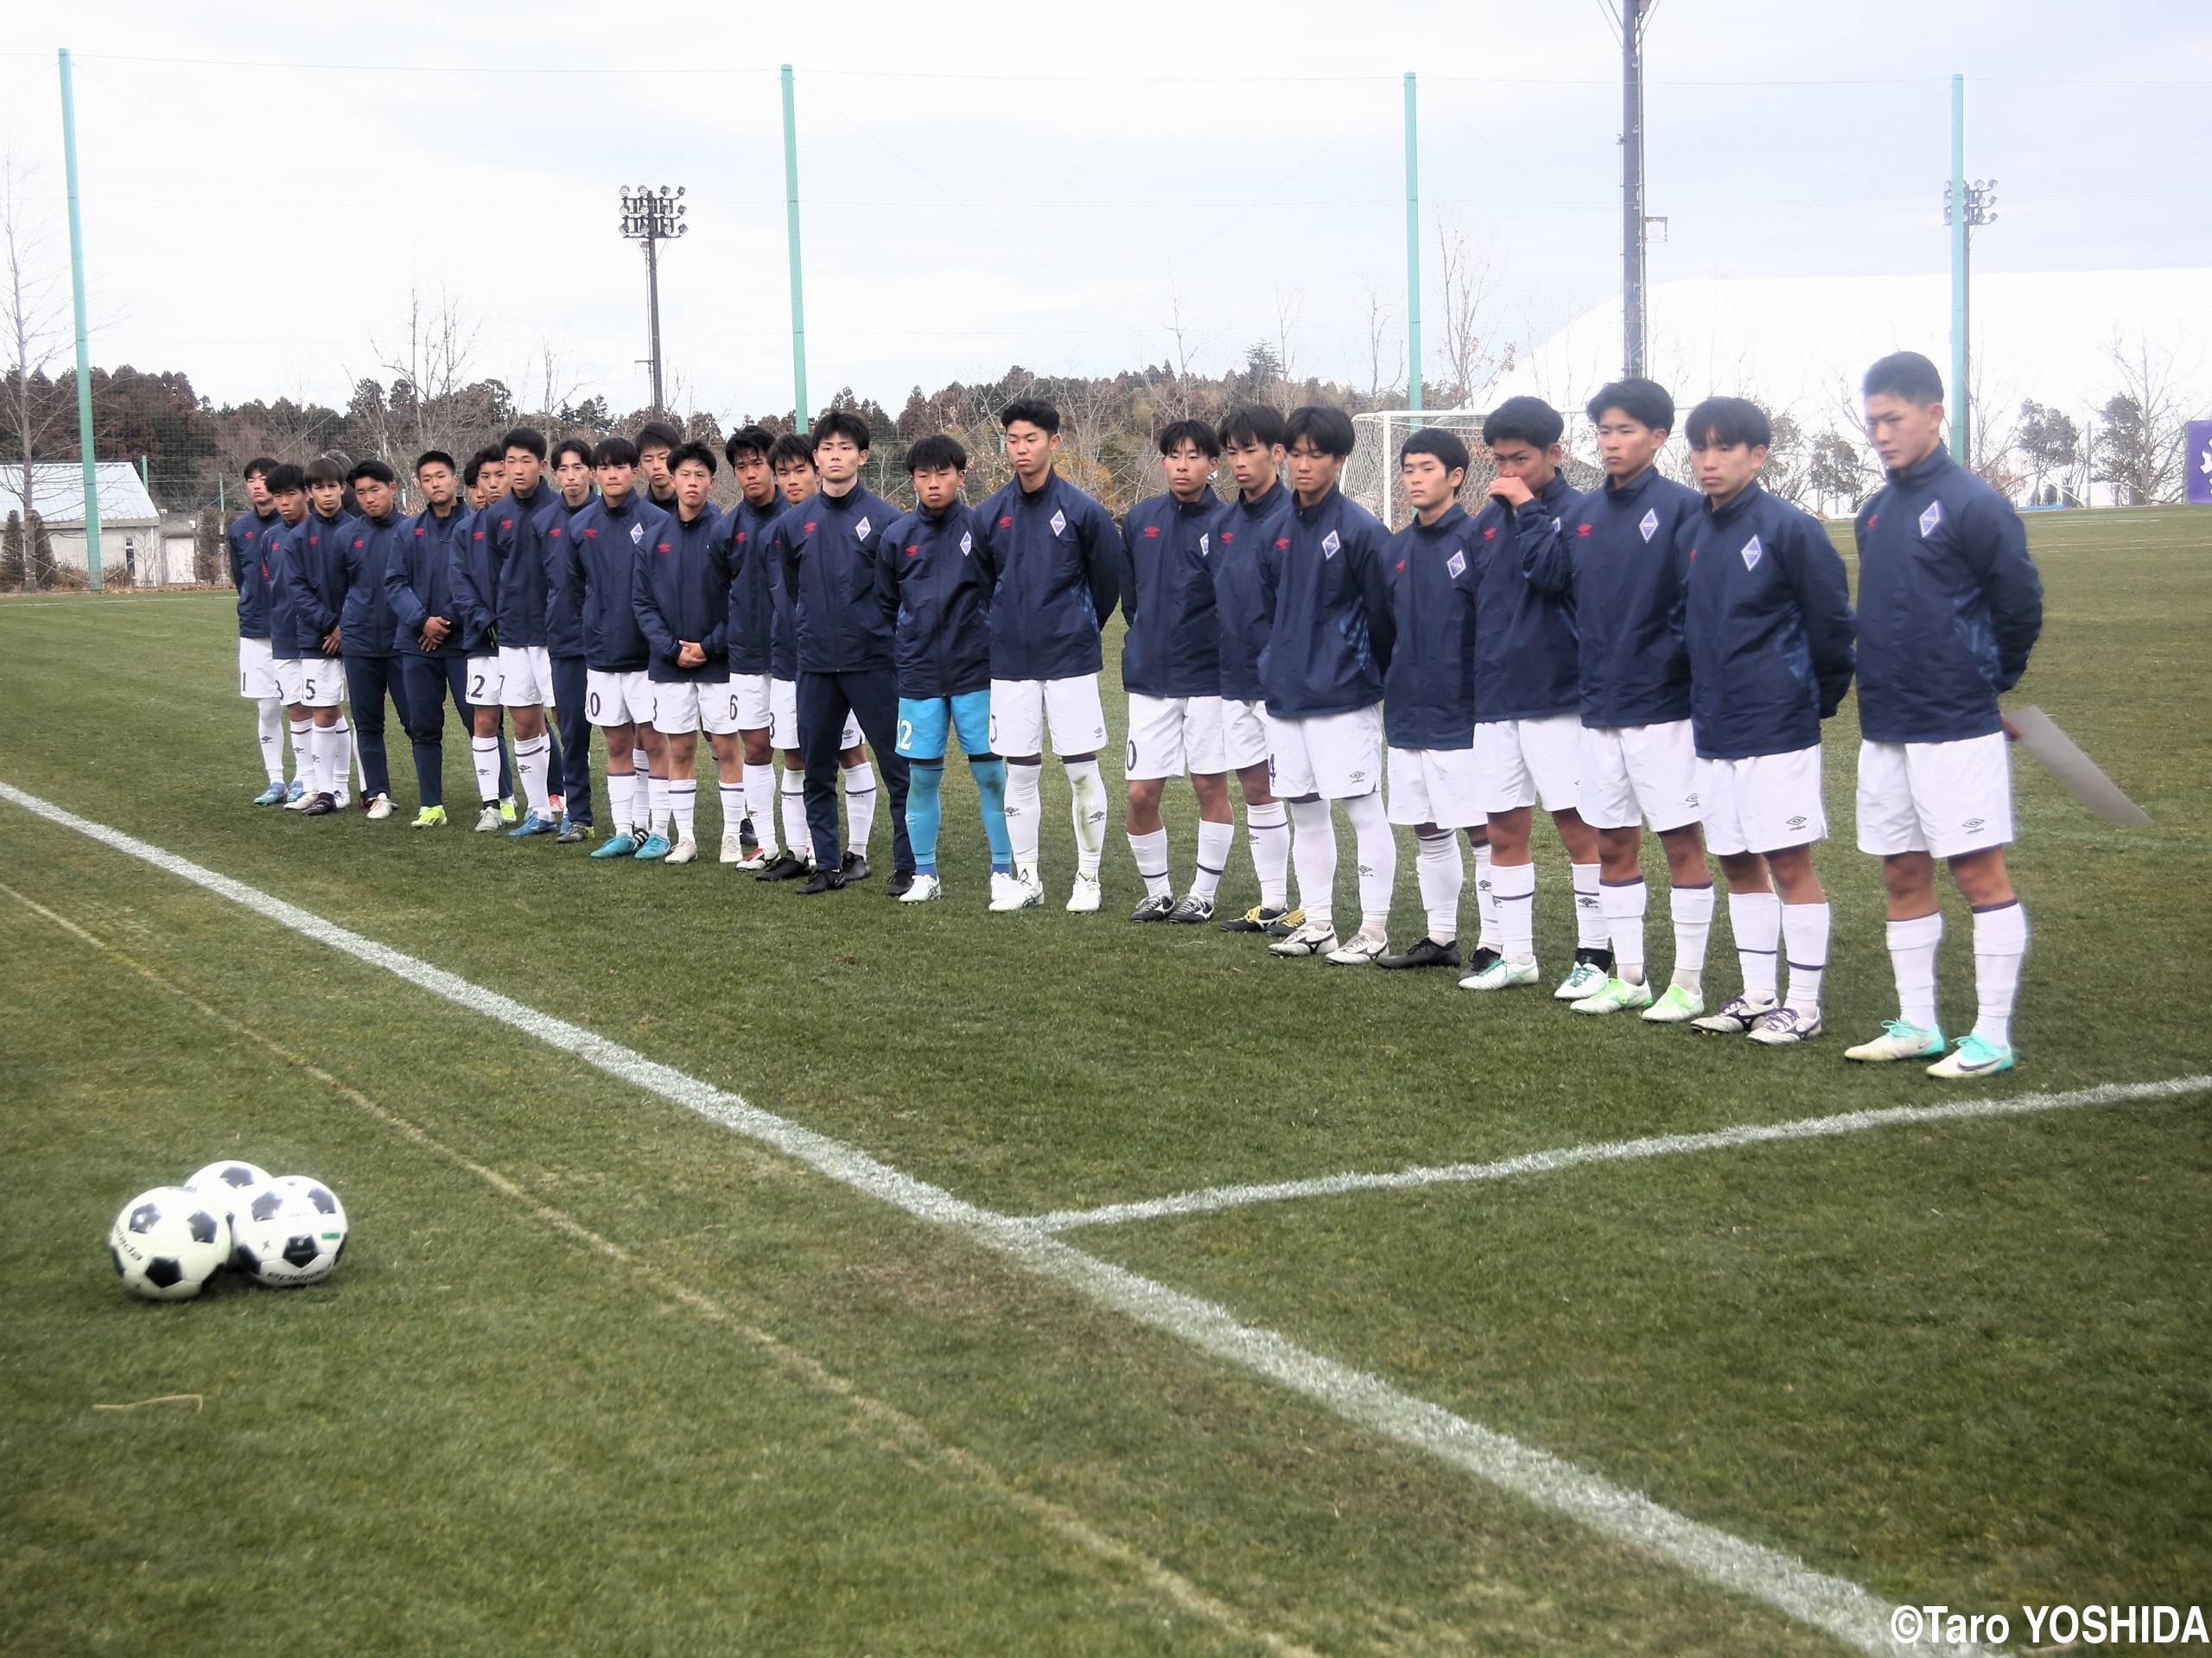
(476,689)
(593,701)
(732,708)
(1130,764)
(994,723)
(310,691)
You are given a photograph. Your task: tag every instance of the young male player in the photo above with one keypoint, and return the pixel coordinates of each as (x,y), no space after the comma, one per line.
(1527,693)
(1428,695)
(288,493)
(564,643)
(520,680)
(317,574)
(936,582)
(1950,606)
(474,583)
(1170,666)
(1767,623)
(656,439)
(1329,634)
(257,670)
(1251,441)
(418,586)
(371,643)
(752,624)
(1619,558)
(680,587)
(1058,558)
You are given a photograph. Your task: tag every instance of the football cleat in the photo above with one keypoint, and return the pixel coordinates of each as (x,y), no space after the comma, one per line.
(1155,906)
(686,850)
(1192,910)
(320,806)
(556,807)
(1019,891)
(785,866)
(1501,974)
(822,881)
(572,833)
(622,843)
(295,790)
(1615,996)
(1307,938)
(733,847)
(1085,899)
(1675,1005)
(533,824)
(901,884)
(298,800)
(1976,1055)
(746,840)
(1737,1016)
(653,849)
(272,796)
(1361,950)
(1784,1027)
(378,808)
(1900,1039)
(926,889)
(429,818)
(757,859)
(341,800)
(507,813)
(1427,953)
(1588,980)
(487,821)
(855,867)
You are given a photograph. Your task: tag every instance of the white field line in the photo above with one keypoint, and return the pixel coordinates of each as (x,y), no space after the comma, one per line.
(1832,1605)
(1211,1198)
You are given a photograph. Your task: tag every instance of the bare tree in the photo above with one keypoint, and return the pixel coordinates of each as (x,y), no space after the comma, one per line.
(1288,309)
(428,361)
(1379,318)
(1472,358)
(34,407)
(2143,433)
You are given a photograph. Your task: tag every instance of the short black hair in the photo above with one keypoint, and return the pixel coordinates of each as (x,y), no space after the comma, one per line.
(282,478)
(491,455)
(579,447)
(374,469)
(1038,412)
(1254,422)
(263,464)
(1434,440)
(1905,374)
(1327,430)
(657,435)
(1723,423)
(1645,402)
(1176,434)
(698,452)
(752,438)
(1531,419)
(792,445)
(434,457)
(323,470)
(935,452)
(614,452)
(843,422)
(470,468)
(528,438)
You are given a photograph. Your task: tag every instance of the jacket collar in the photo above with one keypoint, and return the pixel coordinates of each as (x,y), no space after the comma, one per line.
(1630,491)
(1735,509)
(1926,470)
(1270,499)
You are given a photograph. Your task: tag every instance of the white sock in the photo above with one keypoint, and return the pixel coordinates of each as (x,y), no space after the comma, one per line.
(1590,927)
(860,806)
(342,771)
(618,801)
(1376,849)
(1313,849)
(1912,960)
(761,801)
(484,752)
(1805,930)
(302,748)
(1513,889)
(1267,830)
(1486,899)
(1442,872)
(683,804)
(1693,911)
(269,731)
(1089,810)
(1023,793)
(733,795)
(1623,902)
(799,840)
(322,761)
(1151,853)
(2000,941)
(1756,919)
(1214,842)
(530,766)
(657,800)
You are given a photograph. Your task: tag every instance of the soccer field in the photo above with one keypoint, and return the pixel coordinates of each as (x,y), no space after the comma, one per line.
(731,1273)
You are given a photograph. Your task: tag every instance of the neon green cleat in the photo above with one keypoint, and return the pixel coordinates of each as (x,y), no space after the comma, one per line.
(1900,1039)
(1973,1057)
(507,813)
(1615,996)
(429,818)
(1675,1005)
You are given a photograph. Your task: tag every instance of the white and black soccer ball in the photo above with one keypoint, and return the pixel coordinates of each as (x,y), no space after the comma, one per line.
(288,1232)
(228,1178)
(167,1243)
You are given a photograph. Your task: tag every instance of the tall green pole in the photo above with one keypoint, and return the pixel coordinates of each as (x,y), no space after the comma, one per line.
(1960,452)
(1412,248)
(84,355)
(798,289)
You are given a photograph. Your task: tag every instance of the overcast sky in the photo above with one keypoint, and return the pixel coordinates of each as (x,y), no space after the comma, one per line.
(1043,185)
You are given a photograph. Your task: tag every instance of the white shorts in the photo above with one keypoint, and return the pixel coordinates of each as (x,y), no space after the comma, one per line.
(1243,734)
(1941,798)
(750,695)
(783,719)
(692,705)
(256,671)
(1766,803)
(323,682)
(616,698)
(1520,760)
(525,676)
(291,680)
(1336,756)
(1022,708)
(1433,785)
(1170,735)
(1632,775)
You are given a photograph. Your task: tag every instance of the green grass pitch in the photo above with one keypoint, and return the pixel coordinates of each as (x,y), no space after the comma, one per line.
(599,1376)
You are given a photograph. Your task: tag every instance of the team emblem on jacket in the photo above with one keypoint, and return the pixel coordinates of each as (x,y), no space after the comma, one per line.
(967,543)
(637,535)
(1205,545)
(1060,522)
(1930,519)
(861,529)
(1650,525)
(1751,551)
(1457,564)
(1330,544)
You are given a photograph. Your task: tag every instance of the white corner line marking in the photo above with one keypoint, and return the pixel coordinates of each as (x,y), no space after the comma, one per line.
(1832,1605)
(1208,1199)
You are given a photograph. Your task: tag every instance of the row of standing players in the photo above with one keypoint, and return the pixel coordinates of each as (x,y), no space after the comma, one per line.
(1552,648)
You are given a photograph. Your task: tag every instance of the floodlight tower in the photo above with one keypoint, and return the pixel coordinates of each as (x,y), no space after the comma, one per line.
(1980,198)
(653,217)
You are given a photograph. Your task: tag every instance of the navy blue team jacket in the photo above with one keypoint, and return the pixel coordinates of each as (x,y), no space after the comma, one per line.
(1619,556)
(829,547)
(1058,558)
(474,583)
(1527,655)
(368,553)
(1247,528)
(937,582)
(317,580)
(1174,644)
(1428,695)
(680,589)
(1769,625)
(752,627)
(1949,604)
(595,565)
(514,528)
(1327,608)
(565,623)
(248,573)
(418,579)
(276,564)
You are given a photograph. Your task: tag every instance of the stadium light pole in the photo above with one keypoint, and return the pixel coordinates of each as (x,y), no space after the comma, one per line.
(654,219)
(1633,331)
(84,355)
(1966,208)
(1412,248)
(791,225)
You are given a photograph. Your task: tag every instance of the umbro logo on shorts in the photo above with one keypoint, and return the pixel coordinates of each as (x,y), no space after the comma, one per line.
(1798,822)
(1972,824)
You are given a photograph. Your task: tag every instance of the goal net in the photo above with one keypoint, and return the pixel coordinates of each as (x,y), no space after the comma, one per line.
(1370,477)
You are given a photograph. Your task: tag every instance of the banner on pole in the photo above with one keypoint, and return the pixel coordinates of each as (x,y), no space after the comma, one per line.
(2199,463)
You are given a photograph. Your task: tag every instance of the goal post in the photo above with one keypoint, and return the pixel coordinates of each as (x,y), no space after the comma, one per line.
(1370,477)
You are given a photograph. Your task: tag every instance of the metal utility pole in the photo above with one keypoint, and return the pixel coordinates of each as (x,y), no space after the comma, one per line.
(1632,15)
(651,219)
(1412,249)
(84,355)
(791,221)
(1965,206)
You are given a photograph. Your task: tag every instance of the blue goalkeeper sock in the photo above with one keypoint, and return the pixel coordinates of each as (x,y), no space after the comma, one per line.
(925,811)
(990,783)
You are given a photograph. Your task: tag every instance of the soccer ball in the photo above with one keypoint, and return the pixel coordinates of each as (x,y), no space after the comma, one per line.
(283,1235)
(221,1179)
(167,1243)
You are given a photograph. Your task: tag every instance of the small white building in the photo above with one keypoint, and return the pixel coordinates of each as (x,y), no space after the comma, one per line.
(131,525)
